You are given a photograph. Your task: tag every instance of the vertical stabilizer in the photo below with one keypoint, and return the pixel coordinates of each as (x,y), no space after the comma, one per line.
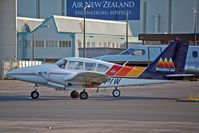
(170,61)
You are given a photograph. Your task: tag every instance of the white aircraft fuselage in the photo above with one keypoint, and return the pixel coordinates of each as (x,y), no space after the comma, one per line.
(74,73)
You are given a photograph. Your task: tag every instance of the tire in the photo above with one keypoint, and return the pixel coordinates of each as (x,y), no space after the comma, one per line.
(116,93)
(74,94)
(34,94)
(84,95)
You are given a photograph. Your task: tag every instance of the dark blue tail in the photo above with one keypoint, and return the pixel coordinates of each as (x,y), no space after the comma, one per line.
(170,61)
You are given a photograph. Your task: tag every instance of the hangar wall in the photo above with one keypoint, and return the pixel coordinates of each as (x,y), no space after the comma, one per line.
(8,30)
(156,16)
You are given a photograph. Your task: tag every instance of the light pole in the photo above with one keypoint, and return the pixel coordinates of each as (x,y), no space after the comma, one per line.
(84,30)
(195,21)
(127,28)
(33,46)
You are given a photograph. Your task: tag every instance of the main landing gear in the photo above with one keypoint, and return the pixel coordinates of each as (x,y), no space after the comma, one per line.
(74,94)
(116,92)
(83,95)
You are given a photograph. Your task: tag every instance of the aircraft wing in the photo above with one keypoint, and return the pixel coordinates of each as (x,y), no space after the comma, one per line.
(87,79)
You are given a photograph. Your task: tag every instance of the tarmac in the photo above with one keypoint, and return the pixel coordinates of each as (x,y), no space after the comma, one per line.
(139,109)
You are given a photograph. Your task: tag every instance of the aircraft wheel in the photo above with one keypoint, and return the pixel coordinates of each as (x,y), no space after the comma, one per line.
(83,95)
(74,94)
(116,93)
(34,94)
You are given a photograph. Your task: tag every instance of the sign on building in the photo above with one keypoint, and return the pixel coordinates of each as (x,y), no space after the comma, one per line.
(104,9)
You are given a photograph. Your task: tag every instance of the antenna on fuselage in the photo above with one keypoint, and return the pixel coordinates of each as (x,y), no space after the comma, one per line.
(126,63)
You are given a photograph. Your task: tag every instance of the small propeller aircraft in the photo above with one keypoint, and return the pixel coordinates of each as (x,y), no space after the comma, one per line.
(75,73)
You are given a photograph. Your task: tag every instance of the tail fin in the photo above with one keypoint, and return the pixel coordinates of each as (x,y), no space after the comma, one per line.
(170,61)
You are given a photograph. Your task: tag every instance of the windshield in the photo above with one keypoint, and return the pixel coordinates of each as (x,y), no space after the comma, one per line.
(130,51)
(61,63)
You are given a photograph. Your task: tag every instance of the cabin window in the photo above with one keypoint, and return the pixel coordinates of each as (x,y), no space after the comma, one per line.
(75,65)
(195,54)
(138,52)
(101,68)
(90,66)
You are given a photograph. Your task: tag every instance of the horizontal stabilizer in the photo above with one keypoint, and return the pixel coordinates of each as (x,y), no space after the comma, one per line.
(180,75)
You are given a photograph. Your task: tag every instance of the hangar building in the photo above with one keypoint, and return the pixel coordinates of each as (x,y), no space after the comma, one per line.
(60,36)
(156,16)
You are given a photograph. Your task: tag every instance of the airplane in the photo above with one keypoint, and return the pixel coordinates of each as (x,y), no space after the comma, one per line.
(144,55)
(75,73)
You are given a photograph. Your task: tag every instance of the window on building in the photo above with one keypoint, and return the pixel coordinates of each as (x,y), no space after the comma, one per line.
(105,44)
(88,44)
(25,43)
(100,44)
(117,45)
(51,43)
(93,44)
(113,45)
(64,43)
(195,54)
(39,43)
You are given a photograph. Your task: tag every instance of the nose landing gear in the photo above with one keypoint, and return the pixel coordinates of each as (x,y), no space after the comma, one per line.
(34,94)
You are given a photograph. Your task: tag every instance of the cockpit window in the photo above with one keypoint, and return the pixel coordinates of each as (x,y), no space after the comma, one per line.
(130,51)
(61,63)
(90,66)
(101,68)
(75,65)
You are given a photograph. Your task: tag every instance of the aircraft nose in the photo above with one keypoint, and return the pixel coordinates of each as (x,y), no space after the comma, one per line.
(12,73)
(15,73)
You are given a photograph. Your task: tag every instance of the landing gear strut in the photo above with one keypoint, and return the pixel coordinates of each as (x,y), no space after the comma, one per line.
(74,94)
(34,94)
(116,92)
